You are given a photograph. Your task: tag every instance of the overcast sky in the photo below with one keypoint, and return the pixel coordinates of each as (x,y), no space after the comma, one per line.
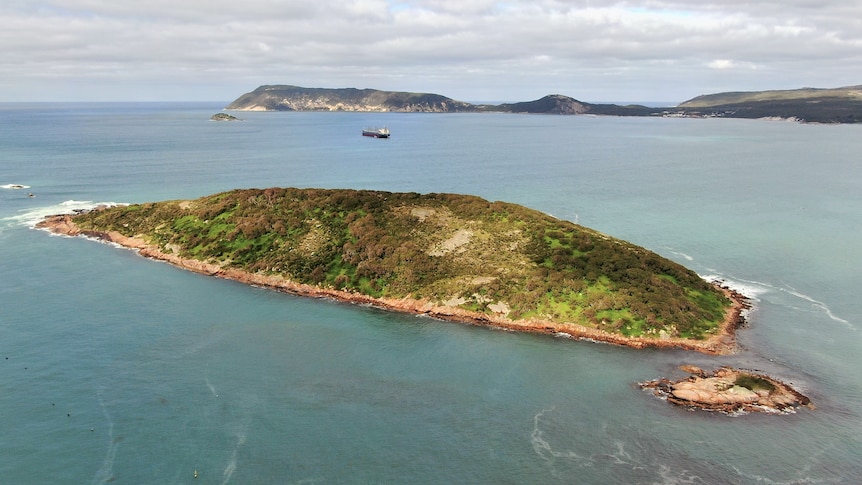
(470,50)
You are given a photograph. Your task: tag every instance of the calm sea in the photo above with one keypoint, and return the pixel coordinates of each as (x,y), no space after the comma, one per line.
(114,368)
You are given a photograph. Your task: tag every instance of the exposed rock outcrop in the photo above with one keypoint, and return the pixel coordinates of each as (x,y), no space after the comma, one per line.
(729,391)
(223,117)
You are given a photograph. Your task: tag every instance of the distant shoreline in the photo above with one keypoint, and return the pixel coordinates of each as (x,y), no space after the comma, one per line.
(722,343)
(806,105)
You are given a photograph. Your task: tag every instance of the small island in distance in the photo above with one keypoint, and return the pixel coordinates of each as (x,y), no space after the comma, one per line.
(837,105)
(223,117)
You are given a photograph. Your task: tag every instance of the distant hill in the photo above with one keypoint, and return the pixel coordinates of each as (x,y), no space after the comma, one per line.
(564,105)
(838,105)
(295,98)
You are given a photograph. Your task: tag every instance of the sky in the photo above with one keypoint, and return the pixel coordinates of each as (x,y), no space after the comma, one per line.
(469,50)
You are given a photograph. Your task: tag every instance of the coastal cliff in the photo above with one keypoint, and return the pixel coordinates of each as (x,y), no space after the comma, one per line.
(295,98)
(454,257)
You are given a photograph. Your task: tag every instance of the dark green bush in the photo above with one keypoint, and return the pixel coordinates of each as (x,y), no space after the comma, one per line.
(754,383)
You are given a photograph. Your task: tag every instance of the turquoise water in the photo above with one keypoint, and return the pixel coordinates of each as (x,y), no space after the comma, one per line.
(120,369)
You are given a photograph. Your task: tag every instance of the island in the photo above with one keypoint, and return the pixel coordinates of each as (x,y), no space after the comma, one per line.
(454,257)
(730,391)
(834,105)
(223,117)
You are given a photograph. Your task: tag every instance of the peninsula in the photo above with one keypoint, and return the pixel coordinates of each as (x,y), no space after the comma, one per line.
(454,257)
(837,105)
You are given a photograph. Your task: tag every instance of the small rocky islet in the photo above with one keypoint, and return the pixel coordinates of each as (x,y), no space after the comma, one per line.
(730,391)
(223,117)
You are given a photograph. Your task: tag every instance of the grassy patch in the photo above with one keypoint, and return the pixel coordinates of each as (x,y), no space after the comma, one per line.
(754,383)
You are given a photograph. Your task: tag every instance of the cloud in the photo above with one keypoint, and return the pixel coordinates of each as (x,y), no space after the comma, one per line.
(730,64)
(468,49)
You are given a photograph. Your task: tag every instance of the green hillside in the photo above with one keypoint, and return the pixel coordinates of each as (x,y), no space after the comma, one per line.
(835,105)
(850,93)
(456,250)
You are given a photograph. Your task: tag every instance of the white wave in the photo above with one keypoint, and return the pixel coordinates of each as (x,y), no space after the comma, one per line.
(105,473)
(229,469)
(211,387)
(679,253)
(545,450)
(14,186)
(749,289)
(232,463)
(670,476)
(622,457)
(31,217)
(753,289)
(816,304)
(755,478)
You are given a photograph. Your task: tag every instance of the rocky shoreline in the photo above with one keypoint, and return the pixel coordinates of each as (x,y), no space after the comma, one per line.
(723,342)
(730,391)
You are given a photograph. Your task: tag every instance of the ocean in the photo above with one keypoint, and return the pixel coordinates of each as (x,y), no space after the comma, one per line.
(115,368)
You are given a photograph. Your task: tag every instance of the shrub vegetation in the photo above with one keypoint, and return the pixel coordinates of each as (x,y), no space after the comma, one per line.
(442,247)
(754,383)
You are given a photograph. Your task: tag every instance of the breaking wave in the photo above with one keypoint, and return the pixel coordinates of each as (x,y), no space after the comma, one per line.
(31,217)
(753,289)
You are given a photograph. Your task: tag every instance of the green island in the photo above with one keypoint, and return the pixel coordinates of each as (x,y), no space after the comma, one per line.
(455,257)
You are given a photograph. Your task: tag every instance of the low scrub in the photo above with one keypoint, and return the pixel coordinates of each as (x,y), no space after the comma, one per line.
(492,257)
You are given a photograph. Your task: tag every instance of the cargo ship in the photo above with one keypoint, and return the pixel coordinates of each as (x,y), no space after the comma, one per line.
(376,132)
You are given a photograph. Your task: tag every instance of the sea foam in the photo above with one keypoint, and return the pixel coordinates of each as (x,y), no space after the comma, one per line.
(31,217)
(753,289)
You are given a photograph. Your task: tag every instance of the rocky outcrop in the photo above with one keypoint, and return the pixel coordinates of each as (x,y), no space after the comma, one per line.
(730,391)
(223,117)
